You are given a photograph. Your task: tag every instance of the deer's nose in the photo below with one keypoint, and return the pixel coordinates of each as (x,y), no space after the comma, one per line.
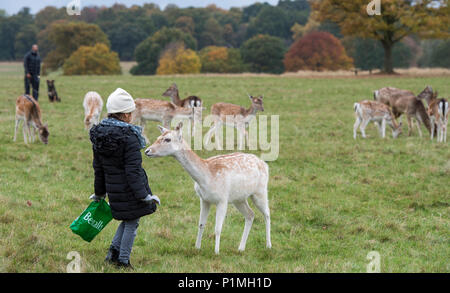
(148,152)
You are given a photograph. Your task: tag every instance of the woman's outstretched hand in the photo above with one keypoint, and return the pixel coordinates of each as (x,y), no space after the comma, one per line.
(97,198)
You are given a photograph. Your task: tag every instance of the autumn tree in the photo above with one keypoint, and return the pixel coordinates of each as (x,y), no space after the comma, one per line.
(178,60)
(398,19)
(66,38)
(92,60)
(221,60)
(149,51)
(317,51)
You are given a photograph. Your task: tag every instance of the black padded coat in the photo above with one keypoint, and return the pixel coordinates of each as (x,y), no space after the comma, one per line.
(119,173)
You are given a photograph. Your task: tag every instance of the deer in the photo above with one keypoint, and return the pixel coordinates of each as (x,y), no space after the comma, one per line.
(234,116)
(28,111)
(157,110)
(219,180)
(438,110)
(189,102)
(371,111)
(93,106)
(404,101)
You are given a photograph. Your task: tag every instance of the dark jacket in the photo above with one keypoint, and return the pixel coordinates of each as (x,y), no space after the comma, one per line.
(32,63)
(119,173)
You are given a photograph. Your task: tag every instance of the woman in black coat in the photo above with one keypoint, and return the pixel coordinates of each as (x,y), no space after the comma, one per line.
(119,174)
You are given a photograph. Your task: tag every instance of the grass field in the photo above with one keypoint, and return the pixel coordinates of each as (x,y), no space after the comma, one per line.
(332,199)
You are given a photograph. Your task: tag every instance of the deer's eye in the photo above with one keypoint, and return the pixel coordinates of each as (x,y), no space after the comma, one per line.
(167,140)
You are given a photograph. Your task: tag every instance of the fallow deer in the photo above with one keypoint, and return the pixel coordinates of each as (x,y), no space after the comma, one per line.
(93,106)
(157,110)
(28,111)
(438,110)
(234,116)
(219,181)
(189,102)
(379,113)
(404,101)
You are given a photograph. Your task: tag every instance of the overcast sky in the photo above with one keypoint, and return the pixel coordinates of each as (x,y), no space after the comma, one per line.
(13,6)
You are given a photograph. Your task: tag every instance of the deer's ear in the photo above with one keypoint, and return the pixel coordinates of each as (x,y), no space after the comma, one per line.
(162,129)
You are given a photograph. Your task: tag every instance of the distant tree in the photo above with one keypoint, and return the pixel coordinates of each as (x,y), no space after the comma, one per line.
(212,34)
(10,26)
(178,60)
(96,60)
(398,19)
(221,60)
(435,54)
(317,51)
(299,30)
(68,37)
(270,21)
(367,54)
(25,38)
(148,52)
(264,53)
(186,24)
(48,15)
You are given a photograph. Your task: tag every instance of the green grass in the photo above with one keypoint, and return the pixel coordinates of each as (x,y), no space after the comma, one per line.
(332,199)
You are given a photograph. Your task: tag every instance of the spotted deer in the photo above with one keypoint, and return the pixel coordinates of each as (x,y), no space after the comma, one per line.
(157,110)
(190,102)
(234,116)
(404,101)
(372,111)
(219,180)
(438,110)
(28,111)
(93,106)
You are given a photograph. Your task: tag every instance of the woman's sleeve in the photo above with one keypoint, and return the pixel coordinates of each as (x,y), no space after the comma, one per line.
(99,181)
(133,168)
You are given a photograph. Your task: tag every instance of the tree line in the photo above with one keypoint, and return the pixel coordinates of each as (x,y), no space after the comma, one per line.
(289,36)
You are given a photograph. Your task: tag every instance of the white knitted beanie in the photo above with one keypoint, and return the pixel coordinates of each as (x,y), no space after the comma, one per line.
(120,101)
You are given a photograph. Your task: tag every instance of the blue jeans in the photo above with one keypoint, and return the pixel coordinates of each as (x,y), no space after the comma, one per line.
(124,239)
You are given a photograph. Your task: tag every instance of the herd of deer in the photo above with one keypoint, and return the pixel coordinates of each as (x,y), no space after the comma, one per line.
(233,178)
(390,103)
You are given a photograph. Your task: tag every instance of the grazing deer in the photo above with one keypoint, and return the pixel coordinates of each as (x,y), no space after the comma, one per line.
(51,90)
(93,106)
(157,110)
(220,180)
(372,111)
(234,116)
(403,101)
(189,102)
(438,111)
(28,111)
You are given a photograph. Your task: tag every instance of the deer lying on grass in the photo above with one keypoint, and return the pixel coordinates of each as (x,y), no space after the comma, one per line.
(403,101)
(157,110)
(372,111)
(93,106)
(234,116)
(28,111)
(189,102)
(438,111)
(220,180)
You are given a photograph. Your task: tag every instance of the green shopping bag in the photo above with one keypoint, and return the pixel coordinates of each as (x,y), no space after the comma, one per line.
(92,220)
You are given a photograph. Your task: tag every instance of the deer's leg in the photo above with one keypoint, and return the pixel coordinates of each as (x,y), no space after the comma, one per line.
(16,128)
(409,125)
(221,212)
(383,128)
(363,127)
(355,127)
(419,124)
(261,202)
(204,212)
(432,127)
(25,131)
(249,215)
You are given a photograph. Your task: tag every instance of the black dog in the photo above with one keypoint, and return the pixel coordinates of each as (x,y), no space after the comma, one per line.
(52,94)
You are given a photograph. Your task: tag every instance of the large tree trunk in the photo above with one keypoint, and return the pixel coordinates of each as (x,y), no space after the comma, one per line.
(388,66)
